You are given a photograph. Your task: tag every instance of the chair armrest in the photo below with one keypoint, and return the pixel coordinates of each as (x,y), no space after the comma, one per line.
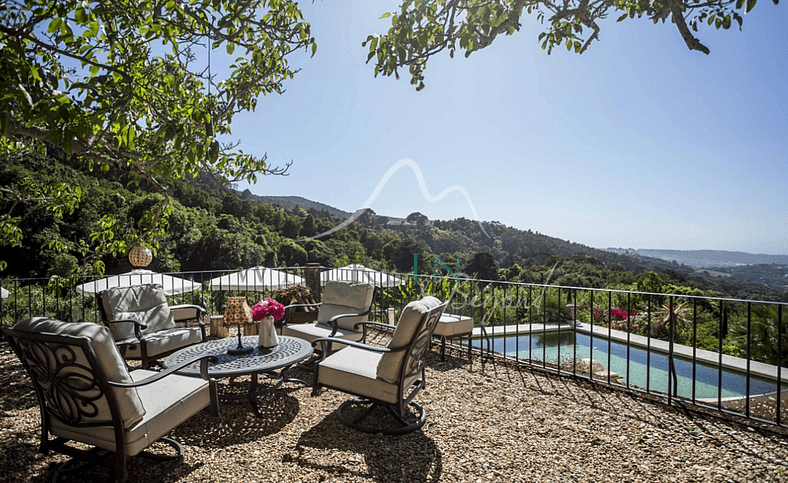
(212,385)
(200,314)
(334,340)
(365,324)
(333,319)
(138,326)
(332,322)
(376,324)
(160,375)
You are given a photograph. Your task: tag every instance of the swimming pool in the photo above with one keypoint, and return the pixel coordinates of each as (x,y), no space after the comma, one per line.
(643,370)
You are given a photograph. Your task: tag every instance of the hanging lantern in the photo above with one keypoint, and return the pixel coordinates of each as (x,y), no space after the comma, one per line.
(140,256)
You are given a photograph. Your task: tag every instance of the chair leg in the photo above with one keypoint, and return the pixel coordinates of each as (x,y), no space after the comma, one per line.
(116,462)
(401,423)
(86,460)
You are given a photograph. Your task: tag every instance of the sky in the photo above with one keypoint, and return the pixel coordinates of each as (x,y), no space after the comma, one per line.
(636,143)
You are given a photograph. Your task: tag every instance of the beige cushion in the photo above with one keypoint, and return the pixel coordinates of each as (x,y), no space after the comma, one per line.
(146,303)
(354,370)
(390,364)
(451,325)
(169,402)
(310,332)
(163,341)
(131,408)
(345,298)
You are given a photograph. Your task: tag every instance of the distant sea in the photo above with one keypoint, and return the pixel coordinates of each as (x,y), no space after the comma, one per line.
(705,258)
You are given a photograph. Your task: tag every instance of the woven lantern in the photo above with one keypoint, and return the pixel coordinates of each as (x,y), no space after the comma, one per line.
(140,256)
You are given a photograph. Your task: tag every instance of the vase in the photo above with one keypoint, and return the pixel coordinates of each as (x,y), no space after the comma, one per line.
(267,337)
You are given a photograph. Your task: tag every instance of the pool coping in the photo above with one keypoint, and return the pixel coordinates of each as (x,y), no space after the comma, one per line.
(732,363)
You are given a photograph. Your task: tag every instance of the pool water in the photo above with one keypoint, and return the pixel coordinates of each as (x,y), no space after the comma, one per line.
(552,347)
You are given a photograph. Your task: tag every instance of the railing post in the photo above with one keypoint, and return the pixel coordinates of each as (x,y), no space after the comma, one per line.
(672,381)
(312,276)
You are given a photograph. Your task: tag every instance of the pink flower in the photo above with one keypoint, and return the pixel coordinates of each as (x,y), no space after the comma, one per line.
(267,308)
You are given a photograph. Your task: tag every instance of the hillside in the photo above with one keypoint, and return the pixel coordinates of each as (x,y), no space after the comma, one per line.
(213,227)
(293,203)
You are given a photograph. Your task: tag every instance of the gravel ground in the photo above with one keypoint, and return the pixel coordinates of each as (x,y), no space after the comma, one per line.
(486,423)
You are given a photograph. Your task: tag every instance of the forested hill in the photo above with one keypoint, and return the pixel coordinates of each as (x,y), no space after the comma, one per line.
(294,203)
(213,227)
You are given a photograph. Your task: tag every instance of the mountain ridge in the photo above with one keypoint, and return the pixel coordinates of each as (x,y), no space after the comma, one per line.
(704,258)
(295,202)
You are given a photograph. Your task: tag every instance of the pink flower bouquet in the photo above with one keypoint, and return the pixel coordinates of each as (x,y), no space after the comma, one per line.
(266,308)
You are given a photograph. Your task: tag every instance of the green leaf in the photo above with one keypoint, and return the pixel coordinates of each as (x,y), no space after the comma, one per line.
(385,15)
(750,5)
(54,25)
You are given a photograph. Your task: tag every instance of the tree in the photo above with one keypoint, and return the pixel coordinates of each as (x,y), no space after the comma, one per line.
(482,266)
(118,84)
(400,253)
(367,218)
(421,29)
(416,218)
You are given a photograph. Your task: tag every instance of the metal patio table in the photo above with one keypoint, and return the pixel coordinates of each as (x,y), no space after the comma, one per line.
(272,362)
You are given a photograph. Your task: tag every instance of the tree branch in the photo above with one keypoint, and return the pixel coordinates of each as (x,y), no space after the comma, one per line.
(678,18)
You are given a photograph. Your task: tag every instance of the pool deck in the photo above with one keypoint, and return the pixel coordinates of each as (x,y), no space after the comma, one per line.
(728,362)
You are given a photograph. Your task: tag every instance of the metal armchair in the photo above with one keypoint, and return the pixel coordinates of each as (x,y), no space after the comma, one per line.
(87,395)
(382,377)
(345,305)
(143,325)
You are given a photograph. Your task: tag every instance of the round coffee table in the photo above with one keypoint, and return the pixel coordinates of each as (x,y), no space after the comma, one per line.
(272,362)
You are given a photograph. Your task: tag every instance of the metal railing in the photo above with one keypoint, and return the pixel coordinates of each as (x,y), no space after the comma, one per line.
(727,355)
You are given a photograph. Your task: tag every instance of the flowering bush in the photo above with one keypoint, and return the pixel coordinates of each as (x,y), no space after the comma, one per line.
(266,308)
(615,314)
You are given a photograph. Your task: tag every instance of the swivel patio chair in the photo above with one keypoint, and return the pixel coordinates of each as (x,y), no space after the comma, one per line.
(143,325)
(340,315)
(87,395)
(383,377)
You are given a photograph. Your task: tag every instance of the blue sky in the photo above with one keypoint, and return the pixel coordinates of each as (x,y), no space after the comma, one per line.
(636,143)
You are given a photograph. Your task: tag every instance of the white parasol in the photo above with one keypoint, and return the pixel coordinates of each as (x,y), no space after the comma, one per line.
(171,285)
(256,279)
(359,273)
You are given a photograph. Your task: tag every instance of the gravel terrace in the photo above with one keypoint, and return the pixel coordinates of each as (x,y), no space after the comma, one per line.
(486,423)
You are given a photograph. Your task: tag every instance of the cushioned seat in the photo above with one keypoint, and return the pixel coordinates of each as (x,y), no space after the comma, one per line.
(344,306)
(87,394)
(387,377)
(143,324)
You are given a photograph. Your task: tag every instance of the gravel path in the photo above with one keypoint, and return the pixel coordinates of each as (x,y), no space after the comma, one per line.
(486,423)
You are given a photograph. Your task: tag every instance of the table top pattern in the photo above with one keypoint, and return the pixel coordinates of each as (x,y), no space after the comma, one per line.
(289,351)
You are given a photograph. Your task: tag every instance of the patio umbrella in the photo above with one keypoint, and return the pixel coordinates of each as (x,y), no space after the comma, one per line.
(171,285)
(359,273)
(257,279)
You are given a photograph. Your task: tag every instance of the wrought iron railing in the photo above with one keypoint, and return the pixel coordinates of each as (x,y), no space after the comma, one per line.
(727,355)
